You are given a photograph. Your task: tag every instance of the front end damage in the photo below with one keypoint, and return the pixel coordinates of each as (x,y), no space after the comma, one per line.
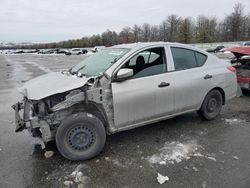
(42,117)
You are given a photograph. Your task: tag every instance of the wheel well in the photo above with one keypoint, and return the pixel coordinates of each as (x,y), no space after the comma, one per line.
(222,93)
(95,109)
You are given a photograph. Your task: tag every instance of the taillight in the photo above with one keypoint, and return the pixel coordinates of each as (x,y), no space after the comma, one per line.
(232,69)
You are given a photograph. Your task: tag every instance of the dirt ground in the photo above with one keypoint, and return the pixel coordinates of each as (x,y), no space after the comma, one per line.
(189,151)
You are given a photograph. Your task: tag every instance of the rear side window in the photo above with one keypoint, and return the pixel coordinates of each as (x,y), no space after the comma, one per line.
(200,59)
(187,59)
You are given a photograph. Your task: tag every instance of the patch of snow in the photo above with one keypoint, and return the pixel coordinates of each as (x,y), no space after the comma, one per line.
(211,158)
(162,179)
(173,152)
(198,155)
(80,167)
(38,142)
(90,115)
(235,157)
(162,162)
(118,163)
(222,152)
(107,158)
(48,154)
(204,184)
(77,176)
(67,183)
(195,169)
(206,156)
(234,121)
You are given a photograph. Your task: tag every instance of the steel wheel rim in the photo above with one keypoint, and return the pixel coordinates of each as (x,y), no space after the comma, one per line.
(212,105)
(81,137)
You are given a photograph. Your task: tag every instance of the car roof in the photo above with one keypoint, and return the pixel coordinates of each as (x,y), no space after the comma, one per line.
(141,45)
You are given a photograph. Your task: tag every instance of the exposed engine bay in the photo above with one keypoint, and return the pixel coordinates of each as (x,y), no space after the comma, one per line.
(43,117)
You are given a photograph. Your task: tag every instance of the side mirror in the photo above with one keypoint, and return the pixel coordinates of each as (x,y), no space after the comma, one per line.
(124,74)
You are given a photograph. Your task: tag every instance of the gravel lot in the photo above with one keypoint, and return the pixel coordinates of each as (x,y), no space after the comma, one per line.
(189,151)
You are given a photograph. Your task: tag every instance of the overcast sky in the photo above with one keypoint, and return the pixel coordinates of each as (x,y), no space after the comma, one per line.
(56,20)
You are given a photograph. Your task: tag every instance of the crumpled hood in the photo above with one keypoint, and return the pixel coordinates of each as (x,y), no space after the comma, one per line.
(50,84)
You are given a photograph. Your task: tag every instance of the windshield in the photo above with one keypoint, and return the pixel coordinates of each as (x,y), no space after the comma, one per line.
(97,63)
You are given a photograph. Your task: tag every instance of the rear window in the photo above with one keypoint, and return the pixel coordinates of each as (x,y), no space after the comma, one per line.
(187,59)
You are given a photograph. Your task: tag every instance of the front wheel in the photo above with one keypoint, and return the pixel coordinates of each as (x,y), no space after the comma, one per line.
(211,105)
(81,136)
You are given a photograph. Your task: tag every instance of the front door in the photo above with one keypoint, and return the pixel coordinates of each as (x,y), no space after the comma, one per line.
(148,95)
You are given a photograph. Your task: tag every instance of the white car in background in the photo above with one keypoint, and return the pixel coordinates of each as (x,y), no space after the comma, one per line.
(76,51)
(120,88)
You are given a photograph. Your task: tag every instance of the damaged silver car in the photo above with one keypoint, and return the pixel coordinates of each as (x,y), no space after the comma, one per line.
(120,88)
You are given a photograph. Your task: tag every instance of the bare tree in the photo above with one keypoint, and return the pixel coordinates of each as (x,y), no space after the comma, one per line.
(125,35)
(234,27)
(145,32)
(136,33)
(185,35)
(155,33)
(173,27)
(236,21)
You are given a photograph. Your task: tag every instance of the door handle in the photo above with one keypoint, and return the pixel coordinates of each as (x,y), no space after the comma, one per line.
(208,76)
(164,84)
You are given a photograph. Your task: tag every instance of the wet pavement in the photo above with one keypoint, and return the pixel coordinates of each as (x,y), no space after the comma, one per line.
(189,151)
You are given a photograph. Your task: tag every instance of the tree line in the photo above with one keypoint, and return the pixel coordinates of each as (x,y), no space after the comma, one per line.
(203,29)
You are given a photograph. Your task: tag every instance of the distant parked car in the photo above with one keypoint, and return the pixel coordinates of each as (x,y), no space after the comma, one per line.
(247,43)
(76,51)
(84,51)
(242,64)
(243,72)
(19,51)
(216,49)
(47,51)
(62,51)
(120,88)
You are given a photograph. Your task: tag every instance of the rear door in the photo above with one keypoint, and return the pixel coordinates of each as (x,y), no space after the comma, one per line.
(148,95)
(191,78)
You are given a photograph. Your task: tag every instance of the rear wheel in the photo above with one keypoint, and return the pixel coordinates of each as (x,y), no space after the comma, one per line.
(80,137)
(211,105)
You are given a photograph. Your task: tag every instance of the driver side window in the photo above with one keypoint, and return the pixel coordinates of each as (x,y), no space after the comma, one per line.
(147,63)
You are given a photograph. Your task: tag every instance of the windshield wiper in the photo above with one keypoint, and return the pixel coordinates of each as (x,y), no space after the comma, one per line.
(76,72)
(112,62)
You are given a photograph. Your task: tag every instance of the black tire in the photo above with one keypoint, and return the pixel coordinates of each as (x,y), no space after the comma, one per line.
(80,136)
(211,105)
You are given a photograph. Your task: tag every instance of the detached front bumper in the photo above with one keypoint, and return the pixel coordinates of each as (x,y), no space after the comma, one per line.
(20,123)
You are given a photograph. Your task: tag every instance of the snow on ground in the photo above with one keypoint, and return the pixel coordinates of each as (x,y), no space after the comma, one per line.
(48,154)
(162,179)
(119,162)
(174,152)
(76,178)
(234,121)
